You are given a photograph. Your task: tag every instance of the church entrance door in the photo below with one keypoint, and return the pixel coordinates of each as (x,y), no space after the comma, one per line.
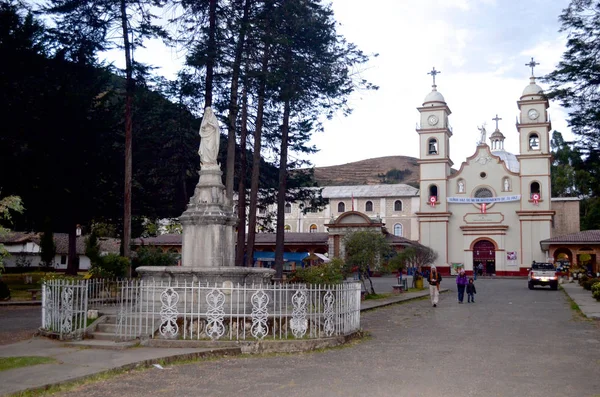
(484,254)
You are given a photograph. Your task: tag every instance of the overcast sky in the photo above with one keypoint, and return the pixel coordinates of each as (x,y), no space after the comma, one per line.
(481,48)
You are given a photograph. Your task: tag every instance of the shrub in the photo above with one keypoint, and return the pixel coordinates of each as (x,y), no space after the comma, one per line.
(326,273)
(111,265)
(596,290)
(587,284)
(151,256)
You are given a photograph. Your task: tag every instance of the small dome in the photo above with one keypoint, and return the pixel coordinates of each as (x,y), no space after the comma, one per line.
(434,96)
(497,134)
(532,89)
(509,159)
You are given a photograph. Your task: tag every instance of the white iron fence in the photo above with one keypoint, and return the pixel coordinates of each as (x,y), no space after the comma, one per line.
(200,311)
(64,307)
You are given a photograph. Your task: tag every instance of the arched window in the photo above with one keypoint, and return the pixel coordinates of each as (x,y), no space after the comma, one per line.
(288,208)
(398,206)
(369,206)
(287,228)
(341,207)
(534,188)
(432,146)
(313,228)
(398,229)
(433,191)
(483,192)
(534,142)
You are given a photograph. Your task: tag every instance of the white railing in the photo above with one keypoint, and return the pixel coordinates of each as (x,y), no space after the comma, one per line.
(227,312)
(64,307)
(105,292)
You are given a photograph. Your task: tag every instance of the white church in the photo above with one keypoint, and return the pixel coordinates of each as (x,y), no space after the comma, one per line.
(492,211)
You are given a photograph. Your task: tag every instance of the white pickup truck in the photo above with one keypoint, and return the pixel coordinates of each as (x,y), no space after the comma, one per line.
(542,274)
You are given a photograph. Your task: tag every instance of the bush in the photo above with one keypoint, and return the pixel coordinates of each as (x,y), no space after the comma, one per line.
(596,290)
(326,273)
(150,256)
(587,284)
(109,266)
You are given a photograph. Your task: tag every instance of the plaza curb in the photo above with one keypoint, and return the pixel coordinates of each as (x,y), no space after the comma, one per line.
(220,352)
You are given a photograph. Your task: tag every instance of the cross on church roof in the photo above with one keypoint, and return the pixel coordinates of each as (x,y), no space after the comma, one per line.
(496,119)
(532,64)
(433,73)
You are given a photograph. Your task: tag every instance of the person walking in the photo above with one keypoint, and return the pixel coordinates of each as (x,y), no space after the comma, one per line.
(461,283)
(471,291)
(434,279)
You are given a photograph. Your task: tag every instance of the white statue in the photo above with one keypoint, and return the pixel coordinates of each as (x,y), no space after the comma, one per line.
(461,186)
(506,185)
(209,138)
(483,133)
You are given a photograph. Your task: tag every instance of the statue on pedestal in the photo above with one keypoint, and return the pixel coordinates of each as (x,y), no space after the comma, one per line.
(209,138)
(483,133)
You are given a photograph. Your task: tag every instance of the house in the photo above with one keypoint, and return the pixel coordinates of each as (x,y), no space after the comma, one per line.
(25,251)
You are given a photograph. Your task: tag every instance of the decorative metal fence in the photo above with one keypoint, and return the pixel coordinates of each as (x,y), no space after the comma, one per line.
(105,292)
(200,311)
(64,307)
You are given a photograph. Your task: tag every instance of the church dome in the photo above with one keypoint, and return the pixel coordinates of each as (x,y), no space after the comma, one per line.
(532,89)
(509,159)
(434,96)
(497,135)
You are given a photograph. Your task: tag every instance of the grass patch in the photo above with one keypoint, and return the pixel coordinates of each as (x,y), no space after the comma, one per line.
(575,307)
(7,363)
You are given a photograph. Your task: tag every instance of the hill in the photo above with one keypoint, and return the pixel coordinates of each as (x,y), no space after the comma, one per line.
(391,169)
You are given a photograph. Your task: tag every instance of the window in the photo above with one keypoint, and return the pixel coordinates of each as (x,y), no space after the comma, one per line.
(483,192)
(287,228)
(398,229)
(313,228)
(288,208)
(63,259)
(341,207)
(433,191)
(432,146)
(534,188)
(534,142)
(369,206)
(398,206)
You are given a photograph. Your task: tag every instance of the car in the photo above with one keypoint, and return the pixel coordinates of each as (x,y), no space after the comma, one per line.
(543,274)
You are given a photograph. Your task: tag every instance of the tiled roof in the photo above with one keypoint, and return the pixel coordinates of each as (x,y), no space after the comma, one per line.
(392,190)
(397,240)
(293,238)
(110,245)
(587,236)
(163,239)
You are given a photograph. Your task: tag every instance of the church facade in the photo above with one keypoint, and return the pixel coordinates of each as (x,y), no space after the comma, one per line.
(497,208)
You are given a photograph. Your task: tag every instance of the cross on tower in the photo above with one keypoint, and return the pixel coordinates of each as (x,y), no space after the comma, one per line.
(433,73)
(496,119)
(532,64)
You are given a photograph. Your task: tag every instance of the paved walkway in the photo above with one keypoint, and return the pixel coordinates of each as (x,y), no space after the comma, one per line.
(74,363)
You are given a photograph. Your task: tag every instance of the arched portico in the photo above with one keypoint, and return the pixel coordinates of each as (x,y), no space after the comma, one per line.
(484,255)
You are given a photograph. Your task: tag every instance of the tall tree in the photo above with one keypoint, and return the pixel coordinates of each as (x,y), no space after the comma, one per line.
(313,78)
(576,80)
(95,21)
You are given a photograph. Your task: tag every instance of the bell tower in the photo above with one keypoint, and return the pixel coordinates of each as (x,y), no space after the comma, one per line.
(534,158)
(435,165)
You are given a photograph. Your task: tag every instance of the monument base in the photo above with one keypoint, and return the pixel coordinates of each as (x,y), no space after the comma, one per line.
(219,276)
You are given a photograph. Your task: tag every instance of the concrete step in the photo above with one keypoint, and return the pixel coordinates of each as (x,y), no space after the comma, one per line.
(102,344)
(108,336)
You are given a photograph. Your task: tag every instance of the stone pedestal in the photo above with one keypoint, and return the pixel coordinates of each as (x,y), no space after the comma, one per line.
(208,249)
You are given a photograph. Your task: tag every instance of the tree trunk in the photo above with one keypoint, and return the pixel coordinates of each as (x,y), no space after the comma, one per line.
(256,157)
(72,259)
(233,103)
(212,52)
(280,231)
(241,235)
(128,135)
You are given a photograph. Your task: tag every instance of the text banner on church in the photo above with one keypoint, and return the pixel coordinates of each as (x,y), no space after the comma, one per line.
(479,200)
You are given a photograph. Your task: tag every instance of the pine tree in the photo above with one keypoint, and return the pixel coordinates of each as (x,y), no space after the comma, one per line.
(47,245)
